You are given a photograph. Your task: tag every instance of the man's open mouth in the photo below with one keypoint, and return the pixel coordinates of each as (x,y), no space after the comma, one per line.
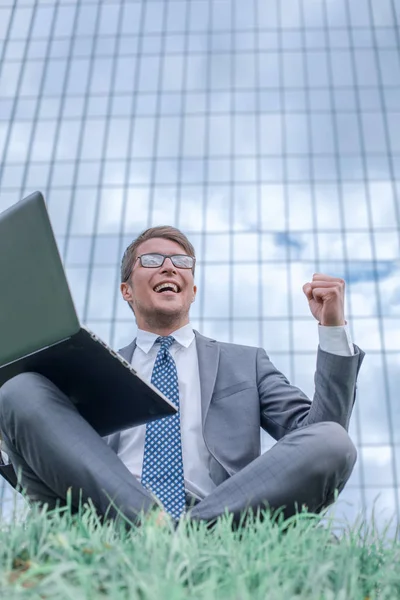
(167,287)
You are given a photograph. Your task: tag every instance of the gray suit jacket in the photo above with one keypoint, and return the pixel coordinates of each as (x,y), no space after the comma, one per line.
(241,391)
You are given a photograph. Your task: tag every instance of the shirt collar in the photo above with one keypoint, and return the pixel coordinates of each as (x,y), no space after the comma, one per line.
(145,340)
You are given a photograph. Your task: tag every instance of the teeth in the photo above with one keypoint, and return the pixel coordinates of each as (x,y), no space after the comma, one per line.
(166,285)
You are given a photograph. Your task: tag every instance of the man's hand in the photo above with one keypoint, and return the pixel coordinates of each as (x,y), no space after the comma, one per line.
(159,518)
(325,297)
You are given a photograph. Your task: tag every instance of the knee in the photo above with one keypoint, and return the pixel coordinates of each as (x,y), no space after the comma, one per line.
(337,452)
(18,393)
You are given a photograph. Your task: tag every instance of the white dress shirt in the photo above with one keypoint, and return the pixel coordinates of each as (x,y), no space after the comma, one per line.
(194,452)
(335,340)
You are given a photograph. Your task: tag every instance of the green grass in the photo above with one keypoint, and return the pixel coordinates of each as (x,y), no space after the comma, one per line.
(68,557)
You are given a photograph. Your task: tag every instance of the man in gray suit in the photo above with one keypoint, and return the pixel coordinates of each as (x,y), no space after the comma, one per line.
(205,460)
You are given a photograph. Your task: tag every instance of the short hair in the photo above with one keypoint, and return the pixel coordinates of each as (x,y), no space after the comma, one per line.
(162,231)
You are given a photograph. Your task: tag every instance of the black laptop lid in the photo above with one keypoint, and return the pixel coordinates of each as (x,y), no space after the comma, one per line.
(36,307)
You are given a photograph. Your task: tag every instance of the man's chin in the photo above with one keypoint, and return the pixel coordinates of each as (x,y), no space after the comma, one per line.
(167,306)
(165,315)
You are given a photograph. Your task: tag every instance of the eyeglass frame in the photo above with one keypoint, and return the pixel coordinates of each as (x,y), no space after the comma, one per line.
(170,256)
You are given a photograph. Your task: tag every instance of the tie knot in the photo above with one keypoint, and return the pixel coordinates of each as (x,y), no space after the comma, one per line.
(166,342)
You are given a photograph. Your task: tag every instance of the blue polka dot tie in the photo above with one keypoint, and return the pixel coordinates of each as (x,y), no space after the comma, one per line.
(162,471)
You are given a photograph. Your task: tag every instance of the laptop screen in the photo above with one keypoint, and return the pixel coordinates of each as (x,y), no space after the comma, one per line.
(36,307)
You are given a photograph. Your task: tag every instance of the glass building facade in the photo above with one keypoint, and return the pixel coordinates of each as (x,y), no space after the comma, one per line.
(267,130)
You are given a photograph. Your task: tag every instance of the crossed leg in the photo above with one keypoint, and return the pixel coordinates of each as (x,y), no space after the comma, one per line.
(56,450)
(305,468)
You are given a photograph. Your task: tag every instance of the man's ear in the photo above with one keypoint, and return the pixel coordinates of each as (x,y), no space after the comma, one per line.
(126,291)
(194,293)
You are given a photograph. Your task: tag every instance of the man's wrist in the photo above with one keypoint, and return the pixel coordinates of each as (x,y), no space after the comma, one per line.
(336,340)
(340,323)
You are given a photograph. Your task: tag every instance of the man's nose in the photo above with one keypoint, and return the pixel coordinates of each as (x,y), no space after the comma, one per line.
(168,265)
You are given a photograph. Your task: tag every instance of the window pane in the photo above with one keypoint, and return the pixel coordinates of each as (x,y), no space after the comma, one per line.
(290,13)
(246,208)
(55,76)
(101,75)
(84,206)
(244,71)
(193,136)
(117,138)
(93,136)
(218,209)
(366,67)
(22,22)
(317,69)
(59,204)
(267,14)
(305,336)
(394,124)
(154,15)
(78,77)
(297,139)
(77,279)
(148,78)
(63,174)
(5,14)
(271,134)
(245,135)
(87,19)
(102,291)
(246,332)
(10,76)
(219,136)
(111,203)
(42,21)
(79,250)
(164,201)
(348,133)
(172,73)
(19,142)
(301,213)
(64,21)
(377,465)
(390,67)
(216,291)
(276,335)
(360,14)
(191,214)
(102,329)
(132,15)
(269,70)
(109,19)
(275,290)
(341,69)
(199,16)
(273,212)
(217,248)
(293,69)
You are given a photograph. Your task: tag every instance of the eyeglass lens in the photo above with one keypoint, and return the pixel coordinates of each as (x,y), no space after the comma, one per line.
(156,260)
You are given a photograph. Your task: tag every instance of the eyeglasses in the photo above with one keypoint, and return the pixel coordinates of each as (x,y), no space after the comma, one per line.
(152,261)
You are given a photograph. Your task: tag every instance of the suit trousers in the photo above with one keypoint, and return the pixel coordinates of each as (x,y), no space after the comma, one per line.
(55,451)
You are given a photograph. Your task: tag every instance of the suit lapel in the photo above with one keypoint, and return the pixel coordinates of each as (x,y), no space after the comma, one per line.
(127,352)
(208,357)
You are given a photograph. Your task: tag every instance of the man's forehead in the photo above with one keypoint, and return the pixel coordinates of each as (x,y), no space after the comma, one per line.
(160,245)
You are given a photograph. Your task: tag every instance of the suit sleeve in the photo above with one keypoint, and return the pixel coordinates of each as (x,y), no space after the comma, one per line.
(285,407)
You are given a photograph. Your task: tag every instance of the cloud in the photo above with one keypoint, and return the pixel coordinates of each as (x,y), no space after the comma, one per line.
(369,271)
(283,238)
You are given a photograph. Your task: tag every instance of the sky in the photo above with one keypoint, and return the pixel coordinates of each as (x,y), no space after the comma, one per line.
(267,131)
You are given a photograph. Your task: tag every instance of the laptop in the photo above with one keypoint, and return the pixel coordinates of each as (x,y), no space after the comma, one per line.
(40,330)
